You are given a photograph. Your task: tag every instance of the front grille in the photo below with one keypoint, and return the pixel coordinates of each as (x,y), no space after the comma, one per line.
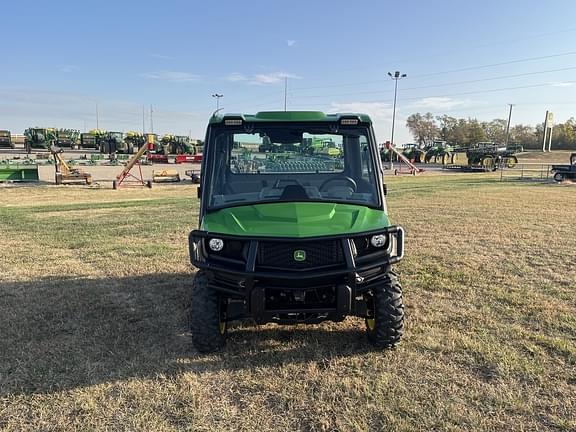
(280,255)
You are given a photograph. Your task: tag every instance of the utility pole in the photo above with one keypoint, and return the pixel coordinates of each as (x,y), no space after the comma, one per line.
(285,91)
(508,125)
(151,120)
(395,77)
(97,119)
(217,96)
(143,119)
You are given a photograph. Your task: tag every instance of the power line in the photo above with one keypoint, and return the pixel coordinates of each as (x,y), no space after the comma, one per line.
(485,66)
(444,84)
(461,93)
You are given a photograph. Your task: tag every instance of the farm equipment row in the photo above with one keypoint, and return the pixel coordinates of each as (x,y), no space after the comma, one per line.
(485,156)
(106,142)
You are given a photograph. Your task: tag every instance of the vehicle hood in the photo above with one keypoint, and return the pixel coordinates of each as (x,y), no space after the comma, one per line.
(294,220)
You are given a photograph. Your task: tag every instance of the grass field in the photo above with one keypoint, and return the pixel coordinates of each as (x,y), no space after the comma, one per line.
(553,157)
(95,287)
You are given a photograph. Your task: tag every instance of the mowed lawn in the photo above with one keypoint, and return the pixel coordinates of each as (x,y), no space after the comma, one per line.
(95,289)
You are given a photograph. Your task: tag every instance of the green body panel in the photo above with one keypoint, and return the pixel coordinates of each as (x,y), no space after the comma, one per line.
(289,116)
(298,219)
(18,172)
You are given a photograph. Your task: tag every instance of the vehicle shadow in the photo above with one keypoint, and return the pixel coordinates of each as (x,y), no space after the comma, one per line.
(65,333)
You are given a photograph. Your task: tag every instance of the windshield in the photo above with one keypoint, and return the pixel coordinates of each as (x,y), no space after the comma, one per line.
(291,163)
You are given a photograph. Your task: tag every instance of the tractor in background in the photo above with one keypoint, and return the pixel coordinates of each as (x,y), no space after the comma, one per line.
(414,153)
(6,139)
(486,156)
(317,145)
(176,144)
(489,155)
(439,152)
(39,138)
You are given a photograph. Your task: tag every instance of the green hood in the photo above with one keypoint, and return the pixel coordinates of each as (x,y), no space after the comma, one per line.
(294,220)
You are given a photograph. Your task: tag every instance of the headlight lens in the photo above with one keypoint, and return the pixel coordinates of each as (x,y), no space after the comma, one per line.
(379,240)
(216,244)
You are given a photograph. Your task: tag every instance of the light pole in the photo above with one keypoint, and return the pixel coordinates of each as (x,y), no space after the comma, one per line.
(395,77)
(508,125)
(217,96)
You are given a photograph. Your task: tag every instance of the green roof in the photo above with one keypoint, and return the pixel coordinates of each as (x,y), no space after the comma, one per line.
(289,116)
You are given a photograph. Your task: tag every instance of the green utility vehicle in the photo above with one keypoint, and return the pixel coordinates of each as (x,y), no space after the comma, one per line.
(296,237)
(6,139)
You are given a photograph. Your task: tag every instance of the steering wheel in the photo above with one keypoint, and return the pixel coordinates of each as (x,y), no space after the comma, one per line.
(345,178)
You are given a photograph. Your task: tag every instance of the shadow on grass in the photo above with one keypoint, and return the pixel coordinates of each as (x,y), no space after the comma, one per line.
(66,333)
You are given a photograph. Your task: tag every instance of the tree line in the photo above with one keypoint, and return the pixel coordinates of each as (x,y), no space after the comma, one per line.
(426,128)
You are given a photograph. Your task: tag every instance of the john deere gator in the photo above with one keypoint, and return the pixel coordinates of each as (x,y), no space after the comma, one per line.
(296,237)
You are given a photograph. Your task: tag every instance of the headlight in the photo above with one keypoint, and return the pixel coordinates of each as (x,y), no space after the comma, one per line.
(379,240)
(216,244)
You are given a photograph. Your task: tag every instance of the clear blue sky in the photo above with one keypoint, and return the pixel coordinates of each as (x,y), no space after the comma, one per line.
(61,58)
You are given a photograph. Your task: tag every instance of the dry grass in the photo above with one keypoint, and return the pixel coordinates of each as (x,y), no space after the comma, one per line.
(553,157)
(95,284)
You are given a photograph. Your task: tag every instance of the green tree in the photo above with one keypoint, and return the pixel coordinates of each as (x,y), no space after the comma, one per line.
(527,136)
(474,131)
(447,126)
(495,130)
(423,128)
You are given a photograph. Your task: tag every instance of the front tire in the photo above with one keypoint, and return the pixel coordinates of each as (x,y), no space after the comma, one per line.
(385,323)
(559,177)
(206,316)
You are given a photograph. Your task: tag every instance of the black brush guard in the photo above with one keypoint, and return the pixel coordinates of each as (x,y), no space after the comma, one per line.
(252,281)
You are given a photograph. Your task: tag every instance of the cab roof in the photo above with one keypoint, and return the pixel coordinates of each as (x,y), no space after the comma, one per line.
(289,116)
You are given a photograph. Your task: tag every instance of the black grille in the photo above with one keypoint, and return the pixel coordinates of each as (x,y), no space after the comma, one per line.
(280,255)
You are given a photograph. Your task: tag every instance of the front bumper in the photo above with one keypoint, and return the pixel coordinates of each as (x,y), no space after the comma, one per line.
(250,287)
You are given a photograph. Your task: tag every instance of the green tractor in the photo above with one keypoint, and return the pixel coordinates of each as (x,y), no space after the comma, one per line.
(295,237)
(490,156)
(414,153)
(317,145)
(112,143)
(6,139)
(176,144)
(39,138)
(92,139)
(439,152)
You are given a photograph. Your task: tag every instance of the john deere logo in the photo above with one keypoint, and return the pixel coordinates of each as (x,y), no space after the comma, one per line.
(299,255)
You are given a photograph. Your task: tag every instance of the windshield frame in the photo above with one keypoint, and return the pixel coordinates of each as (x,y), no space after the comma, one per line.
(208,165)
